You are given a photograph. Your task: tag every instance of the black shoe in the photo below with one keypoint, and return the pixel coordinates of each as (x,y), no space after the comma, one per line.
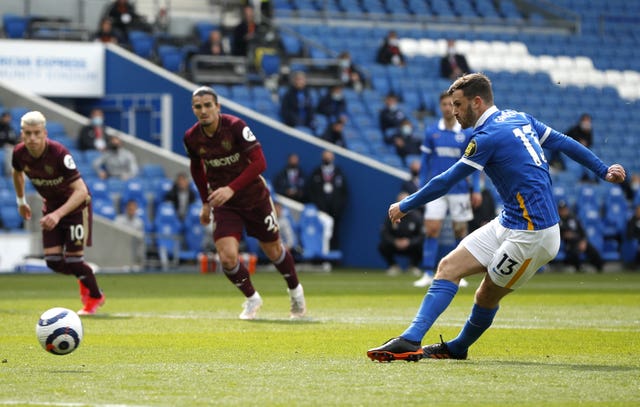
(441,351)
(396,349)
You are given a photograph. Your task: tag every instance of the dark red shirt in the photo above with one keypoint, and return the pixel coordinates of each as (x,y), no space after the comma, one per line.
(51,174)
(225,157)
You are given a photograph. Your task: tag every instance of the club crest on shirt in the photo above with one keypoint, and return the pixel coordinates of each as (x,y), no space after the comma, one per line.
(202,151)
(226,144)
(248,134)
(471,149)
(48,169)
(68,162)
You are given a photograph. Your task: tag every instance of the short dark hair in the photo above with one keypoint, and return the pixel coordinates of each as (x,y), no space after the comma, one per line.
(205,90)
(472,85)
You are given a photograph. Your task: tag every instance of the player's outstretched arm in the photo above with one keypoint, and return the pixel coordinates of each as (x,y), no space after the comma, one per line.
(615,174)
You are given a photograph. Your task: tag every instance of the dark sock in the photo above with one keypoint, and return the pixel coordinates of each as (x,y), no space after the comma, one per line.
(239,276)
(287,267)
(79,268)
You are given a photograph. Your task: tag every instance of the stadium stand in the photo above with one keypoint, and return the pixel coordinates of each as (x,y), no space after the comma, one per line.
(578,56)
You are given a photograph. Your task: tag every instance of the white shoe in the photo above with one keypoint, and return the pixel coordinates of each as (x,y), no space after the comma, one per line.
(251,306)
(298,304)
(394,271)
(424,281)
(415,271)
(463,283)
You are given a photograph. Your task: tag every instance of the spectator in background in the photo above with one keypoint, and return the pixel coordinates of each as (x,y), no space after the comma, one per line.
(576,242)
(402,239)
(334,133)
(405,141)
(390,117)
(181,195)
(116,161)
(93,136)
(290,181)
(389,52)
(333,105)
(350,75)
(453,64)
(244,33)
(327,189)
(297,103)
(8,139)
(633,233)
(412,184)
(107,33)
(582,132)
(214,45)
(124,18)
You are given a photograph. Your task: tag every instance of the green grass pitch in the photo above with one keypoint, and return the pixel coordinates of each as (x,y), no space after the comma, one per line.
(173,339)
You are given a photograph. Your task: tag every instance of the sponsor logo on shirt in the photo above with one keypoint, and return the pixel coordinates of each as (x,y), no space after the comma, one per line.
(224,161)
(471,149)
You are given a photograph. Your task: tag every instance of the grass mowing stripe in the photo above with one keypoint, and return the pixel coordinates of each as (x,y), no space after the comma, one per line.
(174,340)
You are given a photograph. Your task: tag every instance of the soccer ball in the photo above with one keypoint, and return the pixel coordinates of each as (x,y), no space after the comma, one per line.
(59,331)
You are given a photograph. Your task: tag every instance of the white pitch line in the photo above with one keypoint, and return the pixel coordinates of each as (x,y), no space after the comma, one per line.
(63,404)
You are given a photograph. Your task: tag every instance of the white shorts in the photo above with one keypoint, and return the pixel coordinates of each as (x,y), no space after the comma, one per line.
(459,206)
(511,256)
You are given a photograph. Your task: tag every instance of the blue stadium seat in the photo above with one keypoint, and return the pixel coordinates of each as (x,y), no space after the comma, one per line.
(11,218)
(616,212)
(105,208)
(203,28)
(15,26)
(151,171)
(99,190)
(142,43)
(134,189)
(171,58)
(168,229)
(311,234)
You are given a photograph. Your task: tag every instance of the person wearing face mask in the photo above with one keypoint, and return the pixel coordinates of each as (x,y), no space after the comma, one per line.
(582,132)
(453,64)
(350,75)
(333,105)
(405,141)
(116,161)
(327,189)
(93,136)
(412,184)
(290,180)
(390,117)
(297,107)
(389,52)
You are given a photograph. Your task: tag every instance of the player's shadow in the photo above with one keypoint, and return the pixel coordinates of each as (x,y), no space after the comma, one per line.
(283,321)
